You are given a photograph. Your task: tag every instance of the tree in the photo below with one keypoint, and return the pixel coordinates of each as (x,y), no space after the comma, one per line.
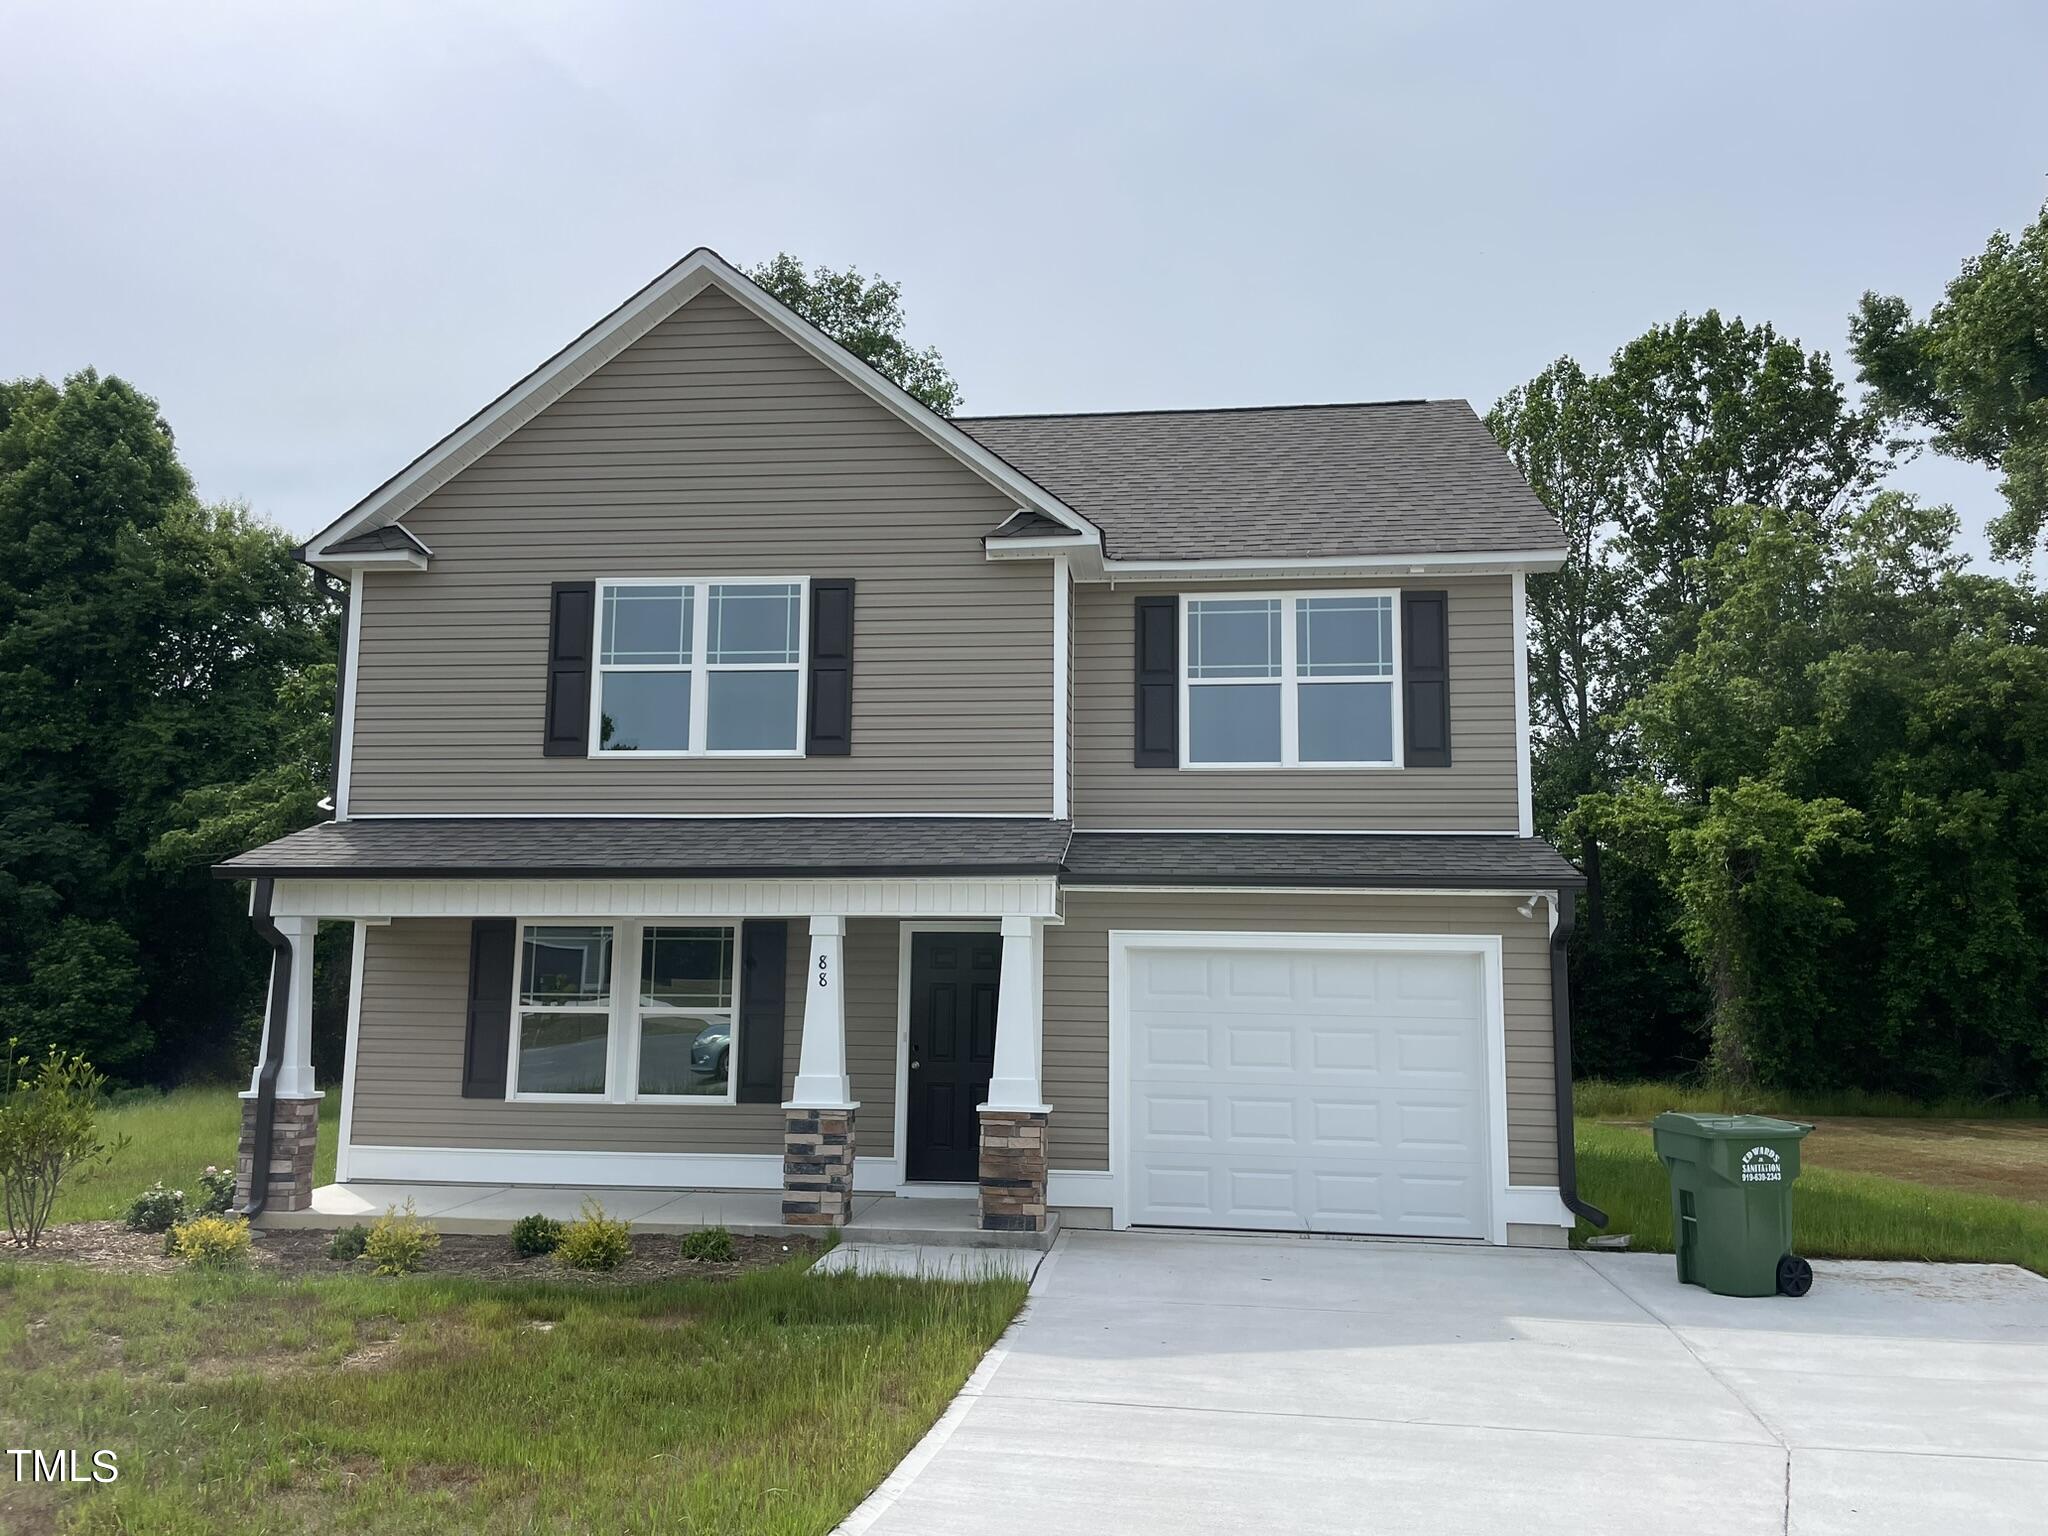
(143,640)
(1974,373)
(1637,463)
(1845,792)
(865,316)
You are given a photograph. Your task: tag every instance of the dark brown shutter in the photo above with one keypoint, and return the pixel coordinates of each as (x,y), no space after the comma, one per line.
(1426,679)
(489,1037)
(572,609)
(830,732)
(1156,723)
(764,985)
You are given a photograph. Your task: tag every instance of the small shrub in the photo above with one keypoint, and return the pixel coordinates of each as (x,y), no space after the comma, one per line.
(400,1242)
(212,1242)
(348,1243)
(709,1245)
(49,1130)
(536,1235)
(216,1191)
(594,1241)
(157,1209)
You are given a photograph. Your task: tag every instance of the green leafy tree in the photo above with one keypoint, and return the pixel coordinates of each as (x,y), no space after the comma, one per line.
(1845,793)
(865,316)
(144,638)
(1974,372)
(1637,463)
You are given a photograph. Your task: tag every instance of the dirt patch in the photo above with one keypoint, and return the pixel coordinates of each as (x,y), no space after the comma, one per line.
(2008,1158)
(107,1245)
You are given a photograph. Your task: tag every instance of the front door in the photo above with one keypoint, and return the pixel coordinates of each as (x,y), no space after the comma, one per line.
(953,980)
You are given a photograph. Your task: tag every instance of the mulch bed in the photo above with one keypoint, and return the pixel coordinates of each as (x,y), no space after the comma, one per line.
(110,1246)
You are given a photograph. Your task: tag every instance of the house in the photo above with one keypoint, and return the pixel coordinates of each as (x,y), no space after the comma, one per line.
(750,780)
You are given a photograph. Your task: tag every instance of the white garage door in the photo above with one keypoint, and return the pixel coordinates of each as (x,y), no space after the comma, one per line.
(1305,1089)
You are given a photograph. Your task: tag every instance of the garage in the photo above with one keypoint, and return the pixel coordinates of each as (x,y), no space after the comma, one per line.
(1305,1082)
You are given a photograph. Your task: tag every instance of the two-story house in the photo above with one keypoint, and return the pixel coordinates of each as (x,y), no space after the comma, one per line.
(748,779)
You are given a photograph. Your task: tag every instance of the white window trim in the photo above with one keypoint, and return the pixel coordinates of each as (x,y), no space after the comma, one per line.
(700,665)
(622,1013)
(1290,684)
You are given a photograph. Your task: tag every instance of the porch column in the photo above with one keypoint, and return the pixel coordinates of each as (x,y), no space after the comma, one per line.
(287,1163)
(817,1136)
(1014,1121)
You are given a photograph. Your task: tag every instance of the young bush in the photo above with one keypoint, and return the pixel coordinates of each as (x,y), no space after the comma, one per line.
(212,1242)
(400,1242)
(157,1209)
(708,1245)
(216,1191)
(594,1241)
(348,1243)
(535,1235)
(49,1130)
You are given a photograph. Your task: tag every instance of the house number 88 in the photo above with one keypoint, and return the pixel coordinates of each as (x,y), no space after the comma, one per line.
(822,968)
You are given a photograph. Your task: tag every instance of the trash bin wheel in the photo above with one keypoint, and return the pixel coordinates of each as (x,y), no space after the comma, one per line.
(1795,1276)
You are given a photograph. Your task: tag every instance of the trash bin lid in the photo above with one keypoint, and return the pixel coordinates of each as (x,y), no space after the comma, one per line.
(1729,1127)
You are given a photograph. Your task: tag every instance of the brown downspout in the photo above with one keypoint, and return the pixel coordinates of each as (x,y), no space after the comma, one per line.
(1561,1051)
(273,1048)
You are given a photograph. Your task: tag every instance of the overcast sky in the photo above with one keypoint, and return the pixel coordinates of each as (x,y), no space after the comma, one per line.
(323,234)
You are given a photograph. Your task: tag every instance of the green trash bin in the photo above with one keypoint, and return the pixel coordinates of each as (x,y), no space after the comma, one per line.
(1731,1201)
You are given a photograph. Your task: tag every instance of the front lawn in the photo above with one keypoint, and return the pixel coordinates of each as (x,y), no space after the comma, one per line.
(173,1137)
(772,1402)
(1836,1214)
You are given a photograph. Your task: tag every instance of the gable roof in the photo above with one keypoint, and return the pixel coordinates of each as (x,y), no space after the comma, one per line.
(1399,477)
(702,268)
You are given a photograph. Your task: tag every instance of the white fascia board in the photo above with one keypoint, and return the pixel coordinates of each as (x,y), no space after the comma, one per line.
(701,269)
(1472,563)
(384,560)
(629,896)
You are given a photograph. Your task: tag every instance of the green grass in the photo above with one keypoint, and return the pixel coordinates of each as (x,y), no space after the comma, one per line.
(1597,1100)
(173,1137)
(1836,1215)
(769,1403)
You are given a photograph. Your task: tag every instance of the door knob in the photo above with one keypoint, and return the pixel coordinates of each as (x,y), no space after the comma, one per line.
(915,1064)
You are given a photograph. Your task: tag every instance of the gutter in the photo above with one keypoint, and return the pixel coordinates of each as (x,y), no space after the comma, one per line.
(1561,1051)
(273,1048)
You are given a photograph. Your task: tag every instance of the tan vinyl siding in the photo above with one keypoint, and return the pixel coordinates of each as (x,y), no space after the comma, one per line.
(408,1084)
(1477,793)
(712,447)
(1077,997)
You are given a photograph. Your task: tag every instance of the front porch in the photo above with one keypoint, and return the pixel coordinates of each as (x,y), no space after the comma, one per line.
(953,1222)
(770,1051)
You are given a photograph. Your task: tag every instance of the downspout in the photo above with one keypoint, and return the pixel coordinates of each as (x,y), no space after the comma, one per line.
(1561,1052)
(273,1048)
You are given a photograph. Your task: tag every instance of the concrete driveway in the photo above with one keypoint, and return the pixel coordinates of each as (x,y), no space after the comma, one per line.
(1215,1384)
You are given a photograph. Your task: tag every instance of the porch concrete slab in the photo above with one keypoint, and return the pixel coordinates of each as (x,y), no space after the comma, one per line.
(924,1261)
(345,1204)
(1185,1383)
(934,1223)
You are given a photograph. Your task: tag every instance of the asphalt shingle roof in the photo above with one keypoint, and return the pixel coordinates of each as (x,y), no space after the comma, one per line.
(1368,860)
(762,847)
(1403,477)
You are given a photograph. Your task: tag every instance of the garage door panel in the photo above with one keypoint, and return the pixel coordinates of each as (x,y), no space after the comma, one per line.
(1361,1112)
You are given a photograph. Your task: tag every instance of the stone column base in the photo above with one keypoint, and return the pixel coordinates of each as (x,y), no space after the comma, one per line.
(817,1167)
(294,1126)
(1013,1170)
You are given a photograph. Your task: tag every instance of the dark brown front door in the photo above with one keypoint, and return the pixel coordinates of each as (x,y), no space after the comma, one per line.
(953,980)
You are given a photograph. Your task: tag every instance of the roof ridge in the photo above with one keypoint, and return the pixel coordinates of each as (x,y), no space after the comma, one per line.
(1212,410)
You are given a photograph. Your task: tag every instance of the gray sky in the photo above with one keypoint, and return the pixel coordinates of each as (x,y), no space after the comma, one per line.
(322,234)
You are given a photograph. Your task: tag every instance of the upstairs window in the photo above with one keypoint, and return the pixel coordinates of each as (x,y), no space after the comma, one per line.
(1291,680)
(699,668)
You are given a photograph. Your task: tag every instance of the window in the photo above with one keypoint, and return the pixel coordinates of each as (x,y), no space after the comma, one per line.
(672,1027)
(564,1013)
(1291,680)
(685,1017)
(690,668)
